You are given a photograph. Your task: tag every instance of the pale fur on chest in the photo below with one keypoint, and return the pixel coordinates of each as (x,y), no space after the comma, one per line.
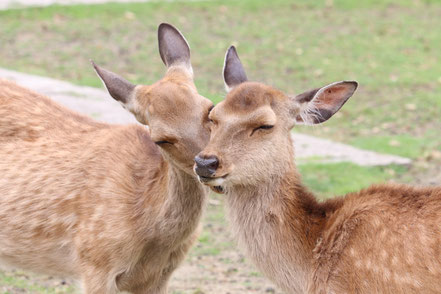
(258,227)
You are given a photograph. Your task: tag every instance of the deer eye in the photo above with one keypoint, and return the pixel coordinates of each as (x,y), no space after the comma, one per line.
(163,142)
(263,127)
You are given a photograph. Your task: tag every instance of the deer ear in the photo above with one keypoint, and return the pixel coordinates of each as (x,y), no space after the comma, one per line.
(119,88)
(173,47)
(318,105)
(234,73)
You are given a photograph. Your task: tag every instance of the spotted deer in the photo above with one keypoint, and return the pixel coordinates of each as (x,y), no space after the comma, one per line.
(115,206)
(383,239)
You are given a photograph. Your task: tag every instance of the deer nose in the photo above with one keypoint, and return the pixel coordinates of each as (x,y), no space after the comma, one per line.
(206,166)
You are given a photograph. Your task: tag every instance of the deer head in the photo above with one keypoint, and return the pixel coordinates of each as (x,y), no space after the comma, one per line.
(172,108)
(250,129)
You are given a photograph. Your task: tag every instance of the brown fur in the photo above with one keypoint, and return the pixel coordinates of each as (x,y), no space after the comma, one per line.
(384,239)
(100,202)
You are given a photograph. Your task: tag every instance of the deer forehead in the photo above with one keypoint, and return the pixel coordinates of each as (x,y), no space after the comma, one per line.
(169,97)
(249,96)
(263,115)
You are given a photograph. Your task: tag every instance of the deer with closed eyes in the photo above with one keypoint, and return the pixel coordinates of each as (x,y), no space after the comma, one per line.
(382,239)
(115,206)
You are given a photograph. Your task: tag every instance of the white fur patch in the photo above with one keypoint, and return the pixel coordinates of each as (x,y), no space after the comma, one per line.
(214,182)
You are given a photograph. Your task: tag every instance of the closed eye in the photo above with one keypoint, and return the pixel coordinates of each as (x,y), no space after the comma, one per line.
(263,127)
(163,142)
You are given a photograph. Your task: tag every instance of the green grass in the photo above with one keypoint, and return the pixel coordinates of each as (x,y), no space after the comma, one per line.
(390,47)
(21,282)
(328,180)
(404,145)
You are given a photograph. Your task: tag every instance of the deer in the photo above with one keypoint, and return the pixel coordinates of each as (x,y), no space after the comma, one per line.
(383,239)
(116,207)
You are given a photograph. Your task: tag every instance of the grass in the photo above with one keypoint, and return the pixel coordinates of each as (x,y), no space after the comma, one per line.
(22,281)
(390,47)
(404,145)
(328,180)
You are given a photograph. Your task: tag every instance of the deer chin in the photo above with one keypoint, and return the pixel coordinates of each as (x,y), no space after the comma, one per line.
(215,184)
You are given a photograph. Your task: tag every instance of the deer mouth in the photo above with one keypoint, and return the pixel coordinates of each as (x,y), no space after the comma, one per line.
(218,189)
(215,183)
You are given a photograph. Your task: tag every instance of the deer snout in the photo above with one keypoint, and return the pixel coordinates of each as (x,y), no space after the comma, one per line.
(206,166)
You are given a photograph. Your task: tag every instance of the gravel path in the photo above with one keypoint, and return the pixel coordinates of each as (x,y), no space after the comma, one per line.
(98,104)
(12,4)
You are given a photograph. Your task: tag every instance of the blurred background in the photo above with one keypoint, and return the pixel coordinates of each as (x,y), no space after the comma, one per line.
(392,48)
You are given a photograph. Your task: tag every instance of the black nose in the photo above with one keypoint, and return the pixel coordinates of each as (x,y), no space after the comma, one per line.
(206,166)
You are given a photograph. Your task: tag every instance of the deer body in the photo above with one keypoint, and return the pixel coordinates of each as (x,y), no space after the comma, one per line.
(384,239)
(98,202)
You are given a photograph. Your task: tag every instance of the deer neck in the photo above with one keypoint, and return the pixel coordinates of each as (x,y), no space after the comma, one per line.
(278,222)
(184,200)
